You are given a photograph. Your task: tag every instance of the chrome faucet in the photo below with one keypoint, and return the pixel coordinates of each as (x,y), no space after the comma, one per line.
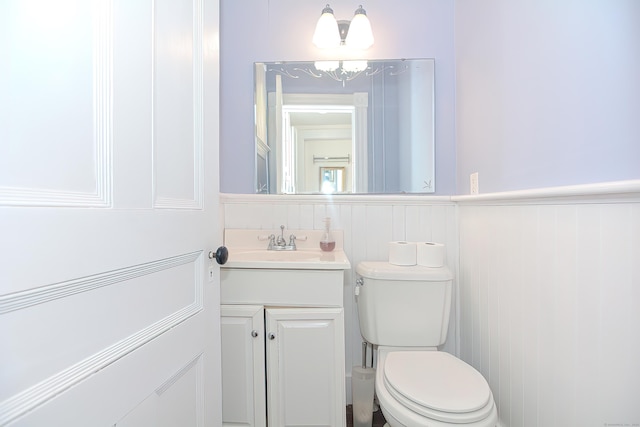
(279,243)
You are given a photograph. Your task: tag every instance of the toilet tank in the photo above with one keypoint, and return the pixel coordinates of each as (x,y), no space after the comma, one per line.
(403,306)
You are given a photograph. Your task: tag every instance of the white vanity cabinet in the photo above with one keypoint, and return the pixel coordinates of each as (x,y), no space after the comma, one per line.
(243,366)
(283,351)
(305,366)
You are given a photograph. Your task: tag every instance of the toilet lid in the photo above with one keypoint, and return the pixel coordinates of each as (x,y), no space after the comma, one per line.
(434,382)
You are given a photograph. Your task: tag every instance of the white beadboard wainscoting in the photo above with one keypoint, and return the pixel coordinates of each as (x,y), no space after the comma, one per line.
(546,289)
(369,224)
(549,289)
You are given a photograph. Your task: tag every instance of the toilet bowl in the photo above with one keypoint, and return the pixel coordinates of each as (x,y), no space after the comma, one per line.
(404,311)
(431,388)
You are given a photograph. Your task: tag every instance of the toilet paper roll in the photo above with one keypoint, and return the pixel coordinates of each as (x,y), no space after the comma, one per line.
(402,253)
(430,254)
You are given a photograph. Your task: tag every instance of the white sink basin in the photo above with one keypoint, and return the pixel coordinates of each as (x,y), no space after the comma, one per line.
(307,259)
(248,250)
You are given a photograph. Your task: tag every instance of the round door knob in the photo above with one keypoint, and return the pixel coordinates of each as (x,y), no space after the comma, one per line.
(254,333)
(221,255)
(272,336)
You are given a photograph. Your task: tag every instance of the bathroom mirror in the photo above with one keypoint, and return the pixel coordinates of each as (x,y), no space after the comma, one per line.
(344,127)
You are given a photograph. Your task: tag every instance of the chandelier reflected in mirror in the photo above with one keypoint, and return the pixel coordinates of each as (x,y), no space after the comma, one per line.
(341,71)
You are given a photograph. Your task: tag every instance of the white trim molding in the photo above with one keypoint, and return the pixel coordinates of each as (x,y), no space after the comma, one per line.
(617,191)
(326,199)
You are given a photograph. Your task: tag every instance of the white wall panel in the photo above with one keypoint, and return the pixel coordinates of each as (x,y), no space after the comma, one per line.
(398,225)
(306,219)
(548,290)
(549,296)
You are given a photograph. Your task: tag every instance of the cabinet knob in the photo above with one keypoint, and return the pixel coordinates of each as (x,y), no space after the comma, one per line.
(254,333)
(272,336)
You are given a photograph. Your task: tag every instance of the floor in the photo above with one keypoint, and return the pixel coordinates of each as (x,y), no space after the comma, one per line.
(378,418)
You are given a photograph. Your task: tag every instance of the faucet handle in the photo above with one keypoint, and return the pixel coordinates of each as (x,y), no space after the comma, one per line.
(272,241)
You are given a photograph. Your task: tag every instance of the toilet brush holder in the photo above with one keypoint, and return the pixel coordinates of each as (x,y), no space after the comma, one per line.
(362,389)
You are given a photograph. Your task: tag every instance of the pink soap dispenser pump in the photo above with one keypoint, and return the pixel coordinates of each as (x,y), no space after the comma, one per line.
(327,242)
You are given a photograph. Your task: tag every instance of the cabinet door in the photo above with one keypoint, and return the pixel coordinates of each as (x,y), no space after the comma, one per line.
(305,367)
(243,372)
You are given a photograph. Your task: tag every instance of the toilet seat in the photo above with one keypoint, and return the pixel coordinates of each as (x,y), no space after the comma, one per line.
(434,386)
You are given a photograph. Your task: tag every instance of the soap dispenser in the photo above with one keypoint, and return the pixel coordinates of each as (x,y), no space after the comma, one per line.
(327,242)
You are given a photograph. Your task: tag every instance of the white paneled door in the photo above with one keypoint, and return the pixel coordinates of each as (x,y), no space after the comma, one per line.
(109,304)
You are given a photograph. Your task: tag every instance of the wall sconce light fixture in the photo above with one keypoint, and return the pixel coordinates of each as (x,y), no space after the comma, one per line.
(331,34)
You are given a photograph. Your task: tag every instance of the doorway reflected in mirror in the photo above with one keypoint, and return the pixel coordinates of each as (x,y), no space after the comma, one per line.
(332,180)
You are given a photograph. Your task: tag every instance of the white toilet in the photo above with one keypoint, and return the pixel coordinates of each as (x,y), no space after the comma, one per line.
(405,312)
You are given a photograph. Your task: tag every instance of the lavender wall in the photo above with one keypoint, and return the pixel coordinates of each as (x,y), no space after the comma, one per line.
(547,92)
(271,30)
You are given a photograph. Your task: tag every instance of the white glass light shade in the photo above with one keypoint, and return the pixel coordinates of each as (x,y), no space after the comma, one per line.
(360,35)
(326,65)
(327,35)
(355,66)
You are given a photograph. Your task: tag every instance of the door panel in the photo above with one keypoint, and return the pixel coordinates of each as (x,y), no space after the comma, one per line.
(177,109)
(51,98)
(178,401)
(175,284)
(243,371)
(305,366)
(107,314)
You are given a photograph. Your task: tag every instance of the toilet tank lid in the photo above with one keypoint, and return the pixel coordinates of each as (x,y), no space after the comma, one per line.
(385,271)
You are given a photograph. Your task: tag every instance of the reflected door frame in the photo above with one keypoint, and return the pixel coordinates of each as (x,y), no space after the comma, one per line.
(358,100)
